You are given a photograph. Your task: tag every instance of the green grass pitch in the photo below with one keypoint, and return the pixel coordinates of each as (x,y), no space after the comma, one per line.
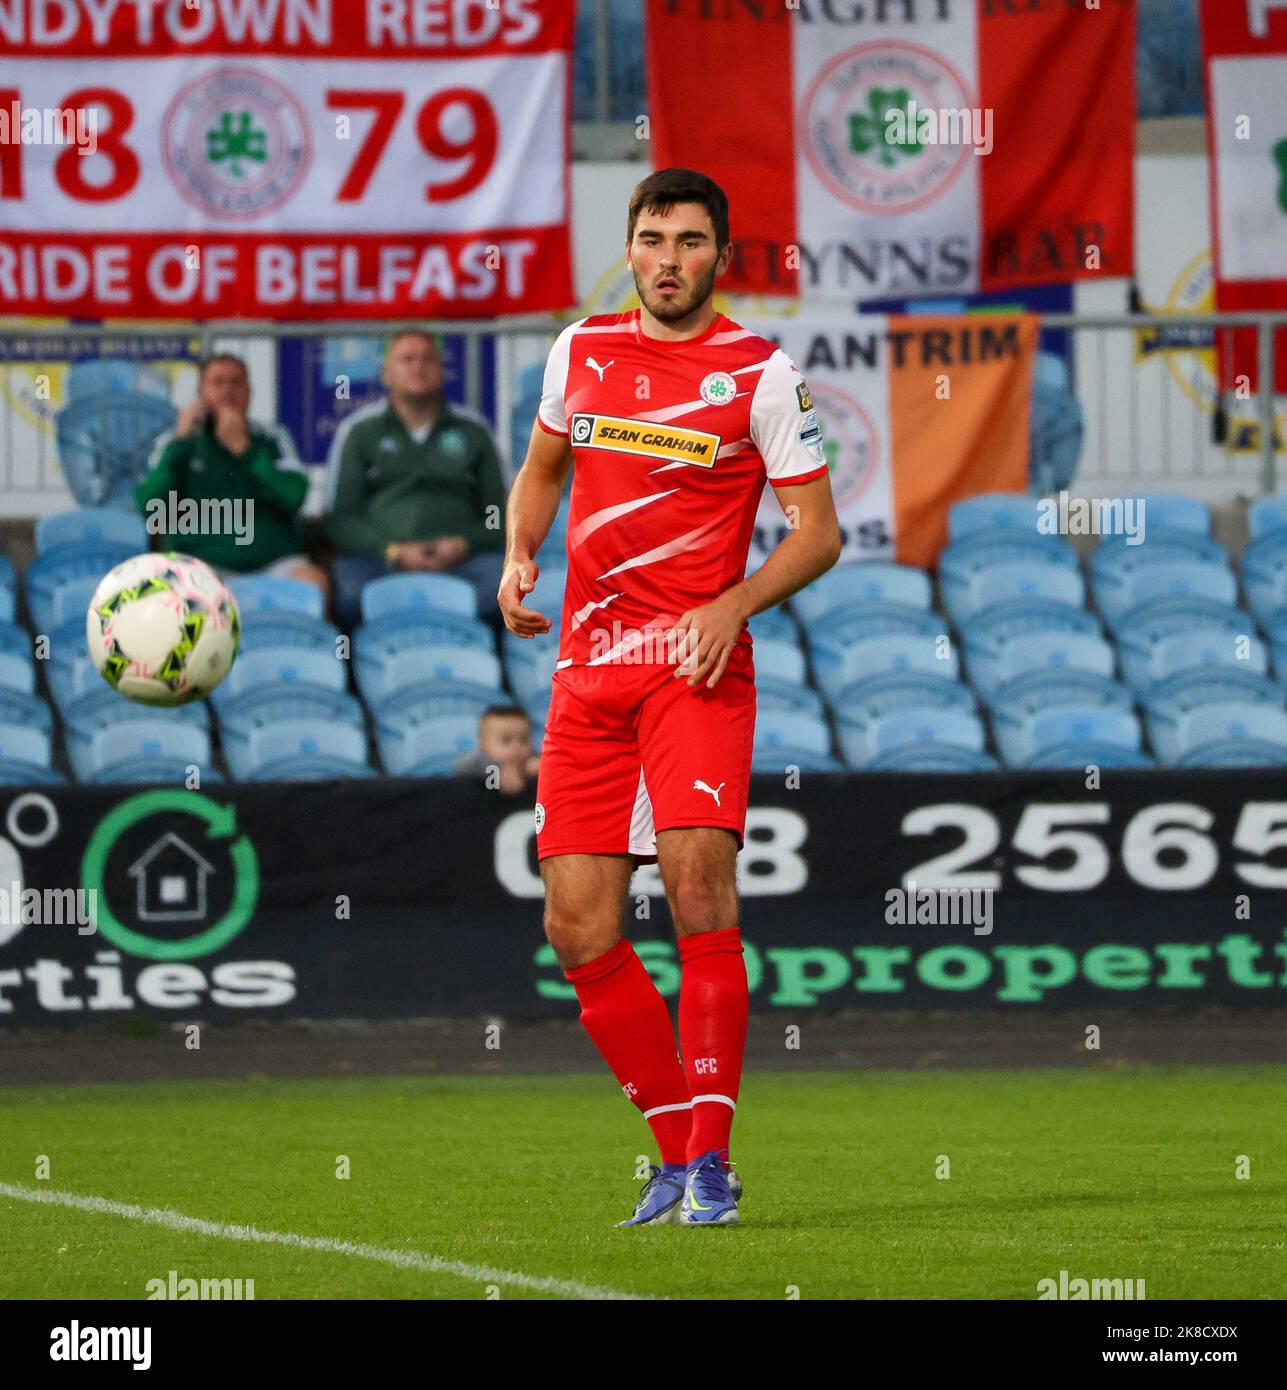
(1109,1173)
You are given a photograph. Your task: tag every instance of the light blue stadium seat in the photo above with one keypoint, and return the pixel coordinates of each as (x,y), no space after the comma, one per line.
(853,622)
(1210,685)
(862,742)
(375,641)
(774,694)
(276,593)
(71,602)
(400,593)
(298,750)
(380,678)
(529,665)
(996,639)
(1144,664)
(277,628)
(895,690)
(993,511)
(773,624)
(50,571)
(876,655)
(281,666)
(17,707)
(69,680)
(933,757)
(1148,623)
(1214,723)
(979,550)
(1023,738)
(417,704)
(1118,593)
(24,743)
(862,581)
(1268,514)
(286,700)
(157,742)
(14,773)
(1264,574)
(8,604)
(405,750)
(1236,752)
(1172,511)
(968,594)
(779,660)
(783,729)
(67,644)
(92,525)
(1043,689)
(1078,754)
(1116,555)
(17,672)
(778,761)
(8,575)
(444,765)
(1040,652)
(1276,630)
(102,708)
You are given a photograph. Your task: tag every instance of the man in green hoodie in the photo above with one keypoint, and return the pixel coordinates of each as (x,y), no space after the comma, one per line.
(224,488)
(414,485)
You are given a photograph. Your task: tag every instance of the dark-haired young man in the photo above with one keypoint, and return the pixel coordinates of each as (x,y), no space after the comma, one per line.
(675,417)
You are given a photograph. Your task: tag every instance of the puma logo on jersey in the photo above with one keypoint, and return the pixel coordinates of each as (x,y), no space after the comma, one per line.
(700,786)
(590,362)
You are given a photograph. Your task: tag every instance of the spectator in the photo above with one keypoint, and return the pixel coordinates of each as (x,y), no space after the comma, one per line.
(414,485)
(225,488)
(504,743)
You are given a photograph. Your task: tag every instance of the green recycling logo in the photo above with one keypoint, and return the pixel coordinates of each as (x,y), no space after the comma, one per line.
(221,824)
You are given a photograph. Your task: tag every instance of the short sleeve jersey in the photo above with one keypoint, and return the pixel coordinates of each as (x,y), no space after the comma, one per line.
(672,441)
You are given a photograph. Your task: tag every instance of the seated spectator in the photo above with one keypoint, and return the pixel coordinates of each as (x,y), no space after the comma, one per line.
(504,743)
(225,488)
(414,485)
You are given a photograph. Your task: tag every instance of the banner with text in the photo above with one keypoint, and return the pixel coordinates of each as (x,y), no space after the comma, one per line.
(240,158)
(917,148)
(405,899)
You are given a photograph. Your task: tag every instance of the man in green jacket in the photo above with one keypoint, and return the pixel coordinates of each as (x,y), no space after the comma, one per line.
(414,485)
(224,488)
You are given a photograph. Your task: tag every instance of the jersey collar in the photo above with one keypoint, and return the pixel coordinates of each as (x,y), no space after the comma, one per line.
(718,323)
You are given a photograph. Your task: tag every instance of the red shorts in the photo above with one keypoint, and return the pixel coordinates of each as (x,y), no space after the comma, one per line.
(630,750)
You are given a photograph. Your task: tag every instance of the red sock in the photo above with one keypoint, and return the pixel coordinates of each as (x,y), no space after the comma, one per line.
(629,1023)
(713,1005)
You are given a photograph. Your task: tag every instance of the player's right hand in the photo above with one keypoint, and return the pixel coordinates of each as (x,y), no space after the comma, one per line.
(518,580)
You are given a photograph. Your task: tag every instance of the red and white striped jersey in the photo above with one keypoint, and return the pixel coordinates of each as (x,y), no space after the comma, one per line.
(671,445)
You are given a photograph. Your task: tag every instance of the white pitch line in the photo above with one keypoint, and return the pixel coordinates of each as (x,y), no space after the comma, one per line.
(403,1259)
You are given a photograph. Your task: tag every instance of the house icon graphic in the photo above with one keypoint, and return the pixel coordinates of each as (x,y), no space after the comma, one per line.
(170,881)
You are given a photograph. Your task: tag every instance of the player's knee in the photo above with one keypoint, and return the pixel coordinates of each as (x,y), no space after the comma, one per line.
(701,903)
(578,936)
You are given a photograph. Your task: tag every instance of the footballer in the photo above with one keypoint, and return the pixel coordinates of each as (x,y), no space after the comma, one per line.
(674,417)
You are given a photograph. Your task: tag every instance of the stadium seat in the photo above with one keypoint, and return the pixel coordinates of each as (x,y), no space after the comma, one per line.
(281,666)
(284,701)
(71,603)
(1146,663)
(8,576)
(1116,555)
(1023,736)
(154,771)
(298,750)
(24,743)
(16,671)
(102,708)
(1275,629)
(1264,574)
(1118,592)
(1042,653)
(774,624)
(1268,514)
(779,660)
(68,680)
(774,694)
(782,760)
(854,622)
(275,593)
(417,704)
(1236,752)
(1081,753)
(92,526)
(277,628)
(51,570)
(895,690)
(997,639)
(1141,627)
(14,773)
(1176,737)
(933,757)
(8,604)
(163,746)
(862,742)
(1173,511)
(784,729)
(862,581)
(377,641)
(970,593)
(993,511)
(377,679)
(1046,688)
(529,665)
(404,751)
(30,711)
(1210,685)
(444,765)
(876,655)
(980,550)
(401,593)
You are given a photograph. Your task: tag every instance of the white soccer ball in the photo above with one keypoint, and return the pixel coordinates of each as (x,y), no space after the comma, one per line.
(163,629)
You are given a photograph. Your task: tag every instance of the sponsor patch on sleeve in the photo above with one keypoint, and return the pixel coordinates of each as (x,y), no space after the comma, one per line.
(803,396)
(811,437)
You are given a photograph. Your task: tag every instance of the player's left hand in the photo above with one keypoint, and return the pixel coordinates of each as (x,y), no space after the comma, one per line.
(706,637)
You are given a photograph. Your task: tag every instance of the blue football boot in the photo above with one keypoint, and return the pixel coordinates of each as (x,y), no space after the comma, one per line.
(708,1197)
(660,1198)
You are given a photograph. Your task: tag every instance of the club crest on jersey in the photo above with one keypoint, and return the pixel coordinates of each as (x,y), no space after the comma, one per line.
(623,436)
(718,388)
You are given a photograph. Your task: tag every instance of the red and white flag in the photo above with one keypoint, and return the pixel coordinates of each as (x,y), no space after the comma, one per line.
(917,147)
(1245,47)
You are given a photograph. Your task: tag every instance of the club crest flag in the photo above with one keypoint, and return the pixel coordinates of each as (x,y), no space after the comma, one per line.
(1245,48)
(916,412)
(880,150)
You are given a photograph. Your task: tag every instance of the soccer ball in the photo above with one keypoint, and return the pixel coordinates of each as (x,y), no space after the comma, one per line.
(163,629)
